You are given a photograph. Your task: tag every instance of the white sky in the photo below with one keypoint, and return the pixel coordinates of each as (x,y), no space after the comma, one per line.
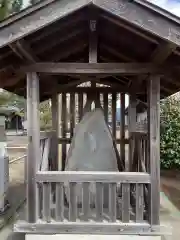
(172,6)
(25,3)
(118,103)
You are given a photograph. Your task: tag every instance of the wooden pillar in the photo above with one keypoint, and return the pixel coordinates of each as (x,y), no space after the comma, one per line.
(154,146)
(122,131)
(33,132)
(93,40)
(55,128)
(63,127)
(132,128)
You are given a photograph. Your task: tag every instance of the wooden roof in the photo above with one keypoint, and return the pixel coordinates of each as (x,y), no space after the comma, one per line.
(58,31)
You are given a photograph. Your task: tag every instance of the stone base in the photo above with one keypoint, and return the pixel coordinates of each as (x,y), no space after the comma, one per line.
(89,237)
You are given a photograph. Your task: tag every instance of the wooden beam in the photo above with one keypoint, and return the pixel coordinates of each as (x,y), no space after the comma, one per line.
(131,128)
(36,18)
(92,68)
(162,52)
(93,36)
(23,51)
(91,176)
(154,146)
(91,90)
(26,51)
(116,53)
(158,51)
(136,14)
(159,56)
(73,21)
(93,56)
(122,131)
(21,48)
(130,28)
(55,127)
(33,133)
(76,47)
(58,41)
(79,227)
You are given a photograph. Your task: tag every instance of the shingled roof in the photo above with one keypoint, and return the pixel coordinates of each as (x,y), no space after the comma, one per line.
(58,31)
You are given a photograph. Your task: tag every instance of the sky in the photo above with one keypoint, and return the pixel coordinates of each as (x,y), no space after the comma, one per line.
(172,6)
(26,3)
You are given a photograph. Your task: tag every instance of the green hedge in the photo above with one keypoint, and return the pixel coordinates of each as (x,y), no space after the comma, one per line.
(170,134)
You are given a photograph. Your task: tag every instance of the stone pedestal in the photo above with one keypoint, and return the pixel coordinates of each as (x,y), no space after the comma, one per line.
(4,168)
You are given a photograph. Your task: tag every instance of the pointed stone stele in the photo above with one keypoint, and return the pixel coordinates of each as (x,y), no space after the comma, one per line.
(91,149)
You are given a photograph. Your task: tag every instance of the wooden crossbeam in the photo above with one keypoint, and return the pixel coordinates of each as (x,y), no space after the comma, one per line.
(162,52)
(92,68)
(58,41)
(158,57)
(23,50)
(59,27)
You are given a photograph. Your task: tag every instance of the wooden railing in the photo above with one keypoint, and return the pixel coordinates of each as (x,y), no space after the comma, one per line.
(118,186)
(64,213)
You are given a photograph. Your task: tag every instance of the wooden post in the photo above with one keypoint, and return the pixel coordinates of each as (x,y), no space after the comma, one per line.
(154,144)
(34,154)
(122,131)
(92,40)
(64,127)
(55,127)
(132,128)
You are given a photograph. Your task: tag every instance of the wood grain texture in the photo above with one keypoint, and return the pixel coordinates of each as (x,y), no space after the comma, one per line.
(80,176)
(72,113)
(154,146)
(139,202)
(122,131)
(92,68)
(59,202)
(99,201)
(64,127)
(35,20)
(46,202)
(55,127)
(34,154)
(132,128)
(142,18)
(114,98)
(80,106)
(112,202)
(126,202)
(72,202)
(143,229)
(86,200)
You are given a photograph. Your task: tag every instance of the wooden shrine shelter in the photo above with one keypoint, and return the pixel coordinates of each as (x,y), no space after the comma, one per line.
(51,48)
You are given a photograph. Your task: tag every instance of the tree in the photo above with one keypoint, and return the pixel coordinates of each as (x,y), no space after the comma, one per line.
(170,133)
(45,115)
(16,6)
(10,99)
(8,7)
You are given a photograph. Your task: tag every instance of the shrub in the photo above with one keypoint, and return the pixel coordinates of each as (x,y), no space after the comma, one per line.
(170,134)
